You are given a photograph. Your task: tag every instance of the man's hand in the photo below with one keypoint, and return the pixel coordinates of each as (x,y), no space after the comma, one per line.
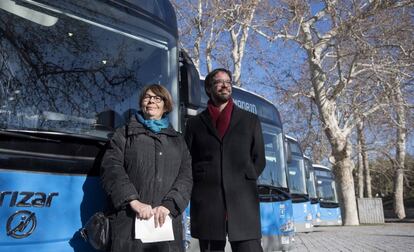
(160,214)
(143,211)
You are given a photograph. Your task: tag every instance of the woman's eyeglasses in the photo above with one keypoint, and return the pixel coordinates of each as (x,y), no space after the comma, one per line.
(155,98)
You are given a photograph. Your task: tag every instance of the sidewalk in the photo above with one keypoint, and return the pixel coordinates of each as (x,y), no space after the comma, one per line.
(386,237)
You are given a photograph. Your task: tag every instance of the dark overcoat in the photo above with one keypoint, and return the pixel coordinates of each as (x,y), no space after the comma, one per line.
(225,172)
(152,168)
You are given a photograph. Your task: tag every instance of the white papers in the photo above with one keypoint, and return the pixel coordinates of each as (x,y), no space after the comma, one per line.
(146,231)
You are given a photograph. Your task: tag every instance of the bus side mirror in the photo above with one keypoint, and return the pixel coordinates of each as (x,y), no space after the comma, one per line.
(190,92)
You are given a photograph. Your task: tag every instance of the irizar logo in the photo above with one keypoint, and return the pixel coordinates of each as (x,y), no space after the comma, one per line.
(21,224)
(27,199)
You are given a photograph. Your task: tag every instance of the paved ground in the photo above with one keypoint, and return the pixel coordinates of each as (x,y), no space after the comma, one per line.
(387,237)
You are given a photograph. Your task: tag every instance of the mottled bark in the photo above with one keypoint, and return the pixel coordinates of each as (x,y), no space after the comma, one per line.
(400,155)
(239,33)
(364,169)
(343,172)
(199,35)
(360,164)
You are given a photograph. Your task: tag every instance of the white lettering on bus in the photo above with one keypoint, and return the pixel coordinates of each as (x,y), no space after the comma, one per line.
(246,106)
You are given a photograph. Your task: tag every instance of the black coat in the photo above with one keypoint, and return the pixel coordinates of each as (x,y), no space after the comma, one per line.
(153,168)
(225,173)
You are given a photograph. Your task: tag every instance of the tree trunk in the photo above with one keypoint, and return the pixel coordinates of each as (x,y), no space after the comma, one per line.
(239,45)
(399,194)
(400,156)
(360,163)
(365,163)
(367,174)
(343,172)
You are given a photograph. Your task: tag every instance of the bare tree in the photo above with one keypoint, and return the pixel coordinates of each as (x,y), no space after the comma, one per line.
(207,21)
(400,155)
(398,119)
(201,27)
(349,47)
(344,56)
(238,16)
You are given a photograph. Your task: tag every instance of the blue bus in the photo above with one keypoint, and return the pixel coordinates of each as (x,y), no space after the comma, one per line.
(71,72)
(297,175)
(327,194)
(311,187)
(275,203)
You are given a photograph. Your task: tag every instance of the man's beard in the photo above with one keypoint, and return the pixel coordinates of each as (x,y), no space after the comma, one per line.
(221,98)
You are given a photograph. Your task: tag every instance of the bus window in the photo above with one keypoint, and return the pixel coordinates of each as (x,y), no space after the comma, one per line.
(311,185)
(326,190)
(296,176)
(76,76)
(275,171)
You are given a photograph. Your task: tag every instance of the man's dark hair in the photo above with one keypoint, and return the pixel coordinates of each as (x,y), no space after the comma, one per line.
(209,80)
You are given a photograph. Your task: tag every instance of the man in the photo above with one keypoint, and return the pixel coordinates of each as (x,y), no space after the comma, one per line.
(227,151)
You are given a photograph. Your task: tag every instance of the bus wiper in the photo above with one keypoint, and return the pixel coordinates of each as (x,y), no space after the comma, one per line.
(300,197)
(73,135)
(20,134)
(276,193)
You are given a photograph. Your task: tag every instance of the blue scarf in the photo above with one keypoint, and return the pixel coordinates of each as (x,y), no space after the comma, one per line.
(153,125)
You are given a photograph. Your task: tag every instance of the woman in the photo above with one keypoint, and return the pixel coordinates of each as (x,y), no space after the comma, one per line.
(146,171)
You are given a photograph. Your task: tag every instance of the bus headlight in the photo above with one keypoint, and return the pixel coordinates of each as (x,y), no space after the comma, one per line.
(309,217)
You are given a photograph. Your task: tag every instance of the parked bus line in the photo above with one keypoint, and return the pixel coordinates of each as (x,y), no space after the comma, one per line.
(297,175)
(311,187)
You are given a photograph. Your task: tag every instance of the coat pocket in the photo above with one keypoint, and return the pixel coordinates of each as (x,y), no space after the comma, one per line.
(199,171)
(250,173)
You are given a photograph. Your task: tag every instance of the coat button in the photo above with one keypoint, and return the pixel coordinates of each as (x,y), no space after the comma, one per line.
(160,153)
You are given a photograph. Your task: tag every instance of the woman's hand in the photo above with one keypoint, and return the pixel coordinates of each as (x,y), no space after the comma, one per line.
(143,211)
(160,214)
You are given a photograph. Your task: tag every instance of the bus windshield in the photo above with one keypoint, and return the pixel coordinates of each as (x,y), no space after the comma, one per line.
(296,176)
(74,73)
(275,171)
(326,190)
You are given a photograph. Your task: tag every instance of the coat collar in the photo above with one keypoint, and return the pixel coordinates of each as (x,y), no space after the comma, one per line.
(235,118)
(134,128)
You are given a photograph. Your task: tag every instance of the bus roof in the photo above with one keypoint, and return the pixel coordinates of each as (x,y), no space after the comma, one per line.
(321,167)
(291,138)
(295,146)
(160,11)
(258,105)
